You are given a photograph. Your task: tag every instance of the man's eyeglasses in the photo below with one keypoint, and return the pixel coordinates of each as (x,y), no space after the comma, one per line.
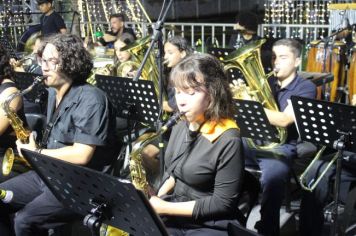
(51,63)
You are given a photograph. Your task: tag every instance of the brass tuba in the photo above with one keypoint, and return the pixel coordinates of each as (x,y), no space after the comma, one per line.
(21,132)
(248,60)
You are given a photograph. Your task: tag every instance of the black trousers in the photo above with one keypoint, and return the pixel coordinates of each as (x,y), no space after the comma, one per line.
(34,208)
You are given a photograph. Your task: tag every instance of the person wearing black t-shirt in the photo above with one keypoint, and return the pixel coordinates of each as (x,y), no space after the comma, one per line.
(81,131)
(117,24)
(51,22)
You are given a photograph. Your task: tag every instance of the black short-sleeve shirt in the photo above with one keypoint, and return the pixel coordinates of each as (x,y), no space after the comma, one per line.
(87,117)
(51,24)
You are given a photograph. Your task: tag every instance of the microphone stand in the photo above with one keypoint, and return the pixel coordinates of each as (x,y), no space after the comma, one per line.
(157,39)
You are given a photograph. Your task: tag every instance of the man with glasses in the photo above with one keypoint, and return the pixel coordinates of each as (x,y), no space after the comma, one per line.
(80,130)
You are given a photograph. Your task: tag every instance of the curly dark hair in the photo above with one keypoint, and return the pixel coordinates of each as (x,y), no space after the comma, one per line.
(74,60)
(181,43)
(184,75)
(6,70)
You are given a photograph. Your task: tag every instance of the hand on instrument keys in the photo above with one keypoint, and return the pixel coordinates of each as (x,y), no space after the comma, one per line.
(353,102)
(31,145)
(240,90)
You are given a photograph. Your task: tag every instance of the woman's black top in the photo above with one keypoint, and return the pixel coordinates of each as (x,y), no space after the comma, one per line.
(207,167)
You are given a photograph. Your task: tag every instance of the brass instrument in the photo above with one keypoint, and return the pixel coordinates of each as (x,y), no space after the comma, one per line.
(137,51)
(137,171)
(314,183)
(248,60)
(108,69)
(24,60)
(21,132)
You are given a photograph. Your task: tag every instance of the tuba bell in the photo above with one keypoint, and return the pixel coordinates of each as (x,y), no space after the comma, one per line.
(248,60)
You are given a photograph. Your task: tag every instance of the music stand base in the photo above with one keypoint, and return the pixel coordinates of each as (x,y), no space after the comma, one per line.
(93,223)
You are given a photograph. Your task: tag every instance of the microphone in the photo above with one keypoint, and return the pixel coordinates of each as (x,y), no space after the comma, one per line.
(6,195)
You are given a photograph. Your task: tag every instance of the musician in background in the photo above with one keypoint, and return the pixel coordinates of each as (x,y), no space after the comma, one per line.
(81,130)
(7,88)
(29,63)
(204,165)
(123,56)
(246,26)
(275,163)
(51,22)
(176,48)
(117,24)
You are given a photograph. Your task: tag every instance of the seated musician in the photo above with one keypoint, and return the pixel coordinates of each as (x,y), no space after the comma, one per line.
(82,132)
(275,163)
(203,159)
(29,63)
(176,48)
(7,88)
(117,24)
(123,56)
(120,57)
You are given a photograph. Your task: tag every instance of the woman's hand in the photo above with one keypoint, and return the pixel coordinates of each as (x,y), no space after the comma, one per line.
(31,145)
(159,205)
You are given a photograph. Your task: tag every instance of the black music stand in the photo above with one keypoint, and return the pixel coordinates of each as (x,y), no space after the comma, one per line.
(328,124)
(135,100)
(39,93)
(253,122)
(99,197)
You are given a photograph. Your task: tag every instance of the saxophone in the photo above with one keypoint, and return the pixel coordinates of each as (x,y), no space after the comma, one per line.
(17,124)
(137,171)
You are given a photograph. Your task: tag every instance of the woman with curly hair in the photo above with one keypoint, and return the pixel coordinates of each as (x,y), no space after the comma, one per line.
(81,130)
(7,88)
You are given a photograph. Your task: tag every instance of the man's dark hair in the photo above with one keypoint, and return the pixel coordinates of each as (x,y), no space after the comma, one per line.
(74,60)
(127,38)
(248,20)
(293,44)
(39,2)
(186,75)
(6,70)
(181,43)
(118,15)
